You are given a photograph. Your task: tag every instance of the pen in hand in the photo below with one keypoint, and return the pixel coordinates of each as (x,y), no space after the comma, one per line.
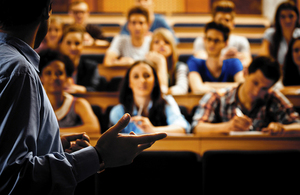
(240,114)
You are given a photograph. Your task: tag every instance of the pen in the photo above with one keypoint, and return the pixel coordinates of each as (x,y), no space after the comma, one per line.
(140,110)
(239,113)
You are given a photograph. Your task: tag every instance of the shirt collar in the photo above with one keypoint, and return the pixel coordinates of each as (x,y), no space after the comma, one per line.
(32,57)
(233,97)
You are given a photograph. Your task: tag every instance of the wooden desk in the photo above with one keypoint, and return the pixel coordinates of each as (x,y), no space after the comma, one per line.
(293,94)
(101,99)
(112,71)
(105,99)
(200,144)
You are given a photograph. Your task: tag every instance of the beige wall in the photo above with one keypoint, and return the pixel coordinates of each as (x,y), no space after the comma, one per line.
(160,6)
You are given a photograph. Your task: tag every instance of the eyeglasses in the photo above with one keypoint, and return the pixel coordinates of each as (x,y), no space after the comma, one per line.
(216,41)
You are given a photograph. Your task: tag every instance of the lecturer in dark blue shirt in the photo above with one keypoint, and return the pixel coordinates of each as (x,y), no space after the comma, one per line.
(32,157)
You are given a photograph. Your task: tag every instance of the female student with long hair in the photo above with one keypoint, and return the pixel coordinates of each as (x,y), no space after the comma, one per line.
(291,67)
(141,97)
(172,74)
(276,39)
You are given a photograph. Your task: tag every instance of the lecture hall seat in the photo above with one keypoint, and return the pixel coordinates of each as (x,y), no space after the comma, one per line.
(154,172)
(251,172)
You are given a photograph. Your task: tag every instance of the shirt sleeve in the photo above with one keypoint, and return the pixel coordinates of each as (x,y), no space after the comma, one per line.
(206,110)
(174,116)
(32,160)
(268,34)
(181,83)
(116,114)
(115,45)
(282,109)
(193,64)
(235,66)
(198,44)
(244,45)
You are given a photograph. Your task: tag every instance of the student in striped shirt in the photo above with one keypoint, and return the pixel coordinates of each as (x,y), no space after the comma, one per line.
(172,74)
(263,108)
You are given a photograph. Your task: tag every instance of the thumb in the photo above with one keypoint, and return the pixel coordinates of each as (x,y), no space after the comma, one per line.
(121,124)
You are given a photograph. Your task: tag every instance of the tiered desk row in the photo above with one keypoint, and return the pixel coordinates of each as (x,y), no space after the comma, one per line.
(201,143)
(187,28)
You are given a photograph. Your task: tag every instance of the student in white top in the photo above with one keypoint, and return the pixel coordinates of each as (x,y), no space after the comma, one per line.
(238,46)
(125,49)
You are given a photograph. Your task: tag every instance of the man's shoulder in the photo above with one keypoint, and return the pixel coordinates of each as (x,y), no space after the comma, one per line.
(275,96)
(12,62)
(224,94)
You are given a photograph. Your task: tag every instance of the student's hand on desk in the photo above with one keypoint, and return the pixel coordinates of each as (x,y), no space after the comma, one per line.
(231,53)
(143,123)
(274,128)
(117,150)
(126,60)
(74,142)
(239,123)
(73,88)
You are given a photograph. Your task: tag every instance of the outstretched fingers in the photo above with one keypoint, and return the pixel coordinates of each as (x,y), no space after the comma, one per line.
(148,138)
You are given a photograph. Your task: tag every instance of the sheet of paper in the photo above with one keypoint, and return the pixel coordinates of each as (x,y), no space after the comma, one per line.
(246,133)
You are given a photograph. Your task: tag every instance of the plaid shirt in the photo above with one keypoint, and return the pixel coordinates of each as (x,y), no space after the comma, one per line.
(219,106)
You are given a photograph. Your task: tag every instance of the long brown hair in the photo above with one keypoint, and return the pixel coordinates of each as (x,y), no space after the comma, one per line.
(276,39)
(157,112)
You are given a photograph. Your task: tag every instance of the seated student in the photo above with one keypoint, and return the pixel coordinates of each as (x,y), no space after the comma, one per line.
(237,47)
(276,39)
(140,96)
(291,67)
(86,76)
(172,74)
(155,20)
(79,11)
(73,114)
(125,49)
(262,109)
(214,69)
(55,31)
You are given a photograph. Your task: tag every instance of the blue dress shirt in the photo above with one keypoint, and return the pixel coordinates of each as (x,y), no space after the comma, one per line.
(172,111)
(32,160)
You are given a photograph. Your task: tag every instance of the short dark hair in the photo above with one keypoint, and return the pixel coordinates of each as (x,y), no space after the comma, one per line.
(138,10)
(268,66)
(20,12)
(219,27)
(47,56)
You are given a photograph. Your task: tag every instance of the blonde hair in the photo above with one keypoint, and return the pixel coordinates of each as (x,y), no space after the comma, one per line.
(73,28)
(57,20)
(168,37)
